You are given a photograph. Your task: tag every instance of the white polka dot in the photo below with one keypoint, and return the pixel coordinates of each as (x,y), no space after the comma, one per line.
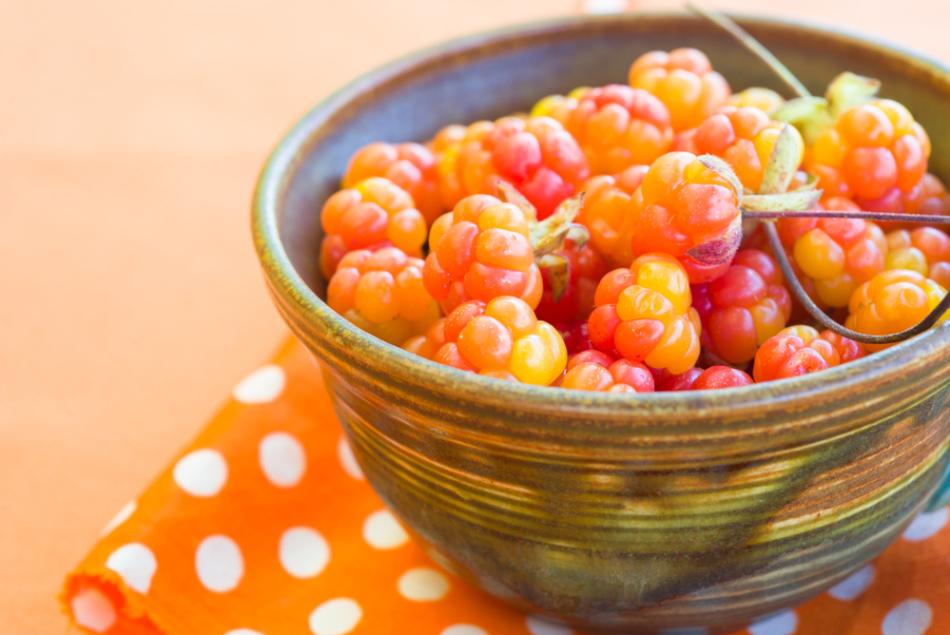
(201,473)
(263,385)
(335,617)
(219,563)
(463,629)
(303,552)
(423,585)
(854,585)
(127,510)
(604,6)
(783,623)
(93,610)
(243,631)
(348,461)
(282,458)
(135,563)
(382,531)
(538,625)
(910,617)
(927,525)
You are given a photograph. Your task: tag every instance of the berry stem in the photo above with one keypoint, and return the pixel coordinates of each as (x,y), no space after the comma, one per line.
(928,219)
(754,46)
(822,318)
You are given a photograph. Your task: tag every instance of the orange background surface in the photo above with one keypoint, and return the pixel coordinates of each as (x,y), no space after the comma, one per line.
(130,138)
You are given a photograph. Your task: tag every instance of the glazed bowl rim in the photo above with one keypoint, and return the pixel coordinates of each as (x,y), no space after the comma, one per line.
(287,284)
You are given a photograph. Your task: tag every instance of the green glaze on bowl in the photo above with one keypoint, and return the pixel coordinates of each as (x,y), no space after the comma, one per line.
(614,512)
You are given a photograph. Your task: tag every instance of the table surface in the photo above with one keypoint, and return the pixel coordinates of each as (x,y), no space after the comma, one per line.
(131,138)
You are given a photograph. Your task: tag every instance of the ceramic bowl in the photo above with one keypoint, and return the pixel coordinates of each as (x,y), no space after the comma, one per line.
(614,512)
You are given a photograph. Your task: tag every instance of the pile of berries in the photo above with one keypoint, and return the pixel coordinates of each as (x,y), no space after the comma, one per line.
(597,242)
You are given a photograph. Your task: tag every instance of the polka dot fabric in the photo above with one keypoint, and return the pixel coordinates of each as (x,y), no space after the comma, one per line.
(266,526)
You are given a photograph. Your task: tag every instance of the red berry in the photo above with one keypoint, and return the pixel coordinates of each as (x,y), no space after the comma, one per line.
(744,307)
(716,377)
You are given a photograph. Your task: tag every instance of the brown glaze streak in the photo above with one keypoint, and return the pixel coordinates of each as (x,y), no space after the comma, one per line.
(610,511)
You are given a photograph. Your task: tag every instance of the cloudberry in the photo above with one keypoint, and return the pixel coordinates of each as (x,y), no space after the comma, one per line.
(743,137)
(597,371)
(616,126)
(411,166)
(688,210)
(836,254)
(607,212)
(504,339)
(799,350)
(744,307)
(684,81)
(643,314)
(535,154)
(479,251)
(892,301)
(382,293)
(374,213)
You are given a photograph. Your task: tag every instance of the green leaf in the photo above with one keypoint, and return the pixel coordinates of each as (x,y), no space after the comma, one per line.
(848,90)
(783,162)
(548,235)
(810,115)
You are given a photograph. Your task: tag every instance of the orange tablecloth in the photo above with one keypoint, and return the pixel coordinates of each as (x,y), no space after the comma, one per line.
(264,525)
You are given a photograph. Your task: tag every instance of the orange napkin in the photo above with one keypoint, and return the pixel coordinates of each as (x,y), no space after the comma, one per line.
(265,526)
